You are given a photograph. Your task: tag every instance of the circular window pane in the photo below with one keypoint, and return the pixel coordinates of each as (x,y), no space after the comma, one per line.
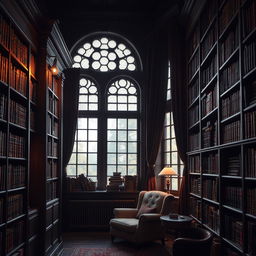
(112,56)
(121,46)
(127,52)
(131,67)
(83,81)
(122,83)
(111,65)
(85,63)
(104,40)
(96,43)
(104,61)
(93,89)
(130,59)
(96,65)
(104,53)
(119,53)
(87,46)
(96,56)
(77,58)
(112,90)
(132,90)
(103,68)
(89,52)
(76,65)
(122,64)
(112,44)
(81,51)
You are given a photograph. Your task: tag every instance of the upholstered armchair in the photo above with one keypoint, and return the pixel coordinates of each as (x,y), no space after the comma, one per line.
(142,224)
(195,239)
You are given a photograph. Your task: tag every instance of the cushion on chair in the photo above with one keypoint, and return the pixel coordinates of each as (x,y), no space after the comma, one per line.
(125,224)
(145,209)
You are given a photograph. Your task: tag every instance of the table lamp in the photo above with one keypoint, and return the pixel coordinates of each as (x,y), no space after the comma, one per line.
(167,172)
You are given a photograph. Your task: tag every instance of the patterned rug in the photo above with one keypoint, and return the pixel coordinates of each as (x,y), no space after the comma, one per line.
(117,251)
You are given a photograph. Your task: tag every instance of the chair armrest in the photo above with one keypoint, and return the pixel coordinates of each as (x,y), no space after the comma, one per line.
(149,217)
(125,212)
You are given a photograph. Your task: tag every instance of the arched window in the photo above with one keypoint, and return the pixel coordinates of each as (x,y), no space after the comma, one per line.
(107,138)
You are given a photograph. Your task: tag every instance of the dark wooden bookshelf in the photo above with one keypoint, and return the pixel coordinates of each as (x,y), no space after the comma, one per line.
(222,167)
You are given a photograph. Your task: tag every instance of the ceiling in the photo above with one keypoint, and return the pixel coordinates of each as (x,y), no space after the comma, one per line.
(81,9)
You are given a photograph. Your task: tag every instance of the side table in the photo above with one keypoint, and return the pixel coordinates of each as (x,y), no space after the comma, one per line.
(175,225)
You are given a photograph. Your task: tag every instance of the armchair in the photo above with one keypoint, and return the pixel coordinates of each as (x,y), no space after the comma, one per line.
(197,240)
(142,224)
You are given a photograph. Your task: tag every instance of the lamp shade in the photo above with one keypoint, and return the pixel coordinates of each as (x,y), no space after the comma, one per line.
(167,171)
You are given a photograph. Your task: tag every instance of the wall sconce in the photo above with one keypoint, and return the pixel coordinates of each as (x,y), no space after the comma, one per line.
(54,67)
(167,172)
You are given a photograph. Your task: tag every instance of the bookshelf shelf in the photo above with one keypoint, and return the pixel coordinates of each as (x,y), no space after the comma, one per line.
(193,54)
(194,76)
(16,219)
(230,58)
(222,147)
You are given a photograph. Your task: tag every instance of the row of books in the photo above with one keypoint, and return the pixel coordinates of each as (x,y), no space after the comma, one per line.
(233,230)
(231,132)
(14,206)
(15,176)
(228,46)
(209,134)
(233,166)
(193,115)
(194,41)
(1,210)
(195,207)
(16,146)
(211,189)
(209,72)
(250,124)
(249,54)
(14,235)
(195,185)
(249,17)
(207,15)
(230,105)
(209,41)
(4,68)
(251,231)
(229,76)
(80,183)
(227,13)
(250,93)
(211,217)
(18,80)
(53,105)
(193,91)
(250,162)
(33,64)
(233,196)
(2,143)
(51,190)
(4,31)
(53,126)
(209,101)
(210,163)
(251,202)
(193,65)
(193,141)
(52,148)
(18,113)
(52,169)
(194,164)
(3,106)
(18,48)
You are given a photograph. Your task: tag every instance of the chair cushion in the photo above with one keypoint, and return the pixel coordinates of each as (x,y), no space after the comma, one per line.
(125,224)
(145,209)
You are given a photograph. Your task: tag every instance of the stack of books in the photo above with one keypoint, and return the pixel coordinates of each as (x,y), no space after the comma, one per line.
(115,182)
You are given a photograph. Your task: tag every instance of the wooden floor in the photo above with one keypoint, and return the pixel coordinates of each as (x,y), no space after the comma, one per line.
(74,240)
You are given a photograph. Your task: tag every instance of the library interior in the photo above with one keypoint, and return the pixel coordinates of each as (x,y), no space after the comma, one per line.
(128,127)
